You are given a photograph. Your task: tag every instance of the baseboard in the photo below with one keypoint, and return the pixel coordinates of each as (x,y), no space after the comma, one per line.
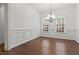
(77,41)
(21,42)
(58,37)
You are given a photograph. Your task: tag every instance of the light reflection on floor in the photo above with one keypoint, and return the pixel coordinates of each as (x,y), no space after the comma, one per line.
(60,48)
(45,46)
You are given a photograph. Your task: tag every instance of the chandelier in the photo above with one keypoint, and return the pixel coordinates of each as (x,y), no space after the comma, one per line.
(51,16)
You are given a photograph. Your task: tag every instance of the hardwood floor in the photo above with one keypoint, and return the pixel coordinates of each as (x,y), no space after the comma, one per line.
(2,51)
(46,46)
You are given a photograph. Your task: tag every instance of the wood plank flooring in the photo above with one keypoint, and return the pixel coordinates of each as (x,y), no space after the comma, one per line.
(2,50)
(47,46)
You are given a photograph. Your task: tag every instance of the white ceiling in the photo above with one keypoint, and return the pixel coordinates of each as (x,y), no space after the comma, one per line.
(41,7)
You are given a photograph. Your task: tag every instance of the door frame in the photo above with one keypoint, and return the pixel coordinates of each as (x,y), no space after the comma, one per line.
(6,26)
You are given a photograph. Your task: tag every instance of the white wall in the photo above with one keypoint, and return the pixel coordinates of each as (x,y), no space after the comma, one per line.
(69,14)
(77,24)
(4,24)
(1,24)
(23,24)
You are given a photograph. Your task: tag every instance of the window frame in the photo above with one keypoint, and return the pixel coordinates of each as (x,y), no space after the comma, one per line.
(60,25)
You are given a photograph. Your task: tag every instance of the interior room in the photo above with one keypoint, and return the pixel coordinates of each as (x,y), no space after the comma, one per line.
(39,28)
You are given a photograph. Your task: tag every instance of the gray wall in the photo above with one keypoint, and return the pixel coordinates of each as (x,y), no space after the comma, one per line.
(1,24)
(23,24)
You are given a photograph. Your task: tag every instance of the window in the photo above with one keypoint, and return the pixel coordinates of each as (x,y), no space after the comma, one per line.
(60,24)
(45,28)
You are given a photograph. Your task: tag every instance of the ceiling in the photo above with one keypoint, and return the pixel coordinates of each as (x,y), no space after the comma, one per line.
(41,7)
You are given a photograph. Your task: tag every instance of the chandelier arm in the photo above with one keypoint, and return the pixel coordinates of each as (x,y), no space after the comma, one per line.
(51,9)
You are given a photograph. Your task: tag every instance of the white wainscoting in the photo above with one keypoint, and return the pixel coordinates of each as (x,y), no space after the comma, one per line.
(18,37)
(68,34)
